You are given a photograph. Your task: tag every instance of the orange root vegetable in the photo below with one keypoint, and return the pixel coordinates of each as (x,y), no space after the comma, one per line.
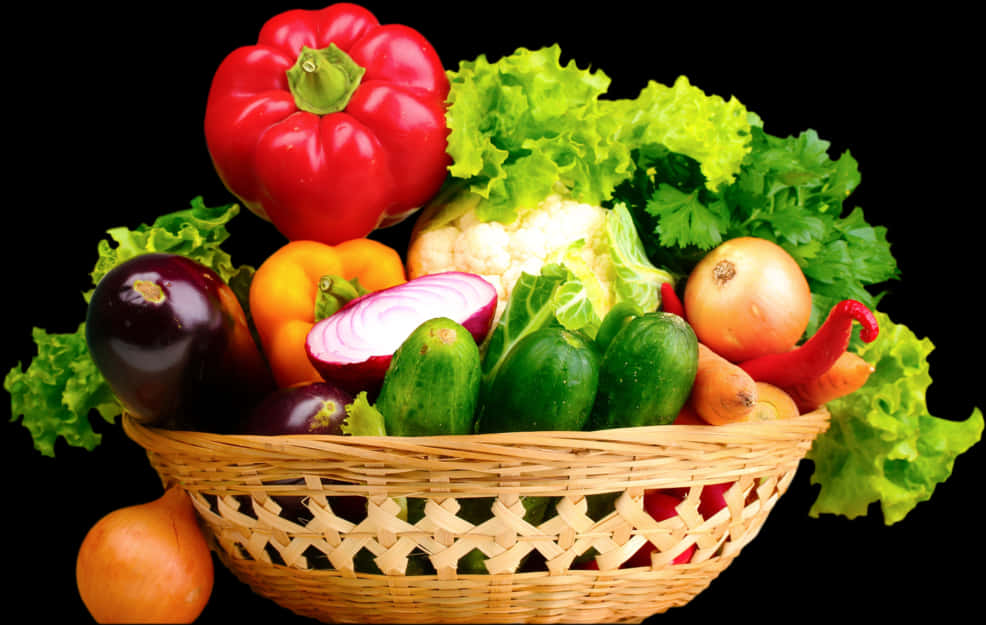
(722,392)
(849,373)
(146,563)
(773,403)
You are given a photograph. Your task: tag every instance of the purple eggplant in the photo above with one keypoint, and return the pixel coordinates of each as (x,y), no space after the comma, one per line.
(314,408)
(173,343)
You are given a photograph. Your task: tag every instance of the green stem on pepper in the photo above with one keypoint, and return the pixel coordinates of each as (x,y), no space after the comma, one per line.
(334,292)
(322,81)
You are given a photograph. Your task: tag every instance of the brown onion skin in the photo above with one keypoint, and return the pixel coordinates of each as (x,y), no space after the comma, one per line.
(147,563)
(747,298)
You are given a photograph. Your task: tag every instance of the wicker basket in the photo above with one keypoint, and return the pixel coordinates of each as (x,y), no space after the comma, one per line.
(313,565)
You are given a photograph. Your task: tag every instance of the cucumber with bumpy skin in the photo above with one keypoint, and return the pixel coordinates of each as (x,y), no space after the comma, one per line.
(546,382)
(647,373)
(432,384)
(617,317)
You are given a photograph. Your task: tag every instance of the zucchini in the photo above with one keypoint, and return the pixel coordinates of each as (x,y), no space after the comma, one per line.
(432,384)
(547,381)
(647,372)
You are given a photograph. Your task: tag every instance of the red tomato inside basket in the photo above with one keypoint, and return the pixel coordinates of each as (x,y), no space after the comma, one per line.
(713,498)
(660,505)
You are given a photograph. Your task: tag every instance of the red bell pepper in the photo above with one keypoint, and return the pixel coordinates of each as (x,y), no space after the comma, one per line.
(332,125)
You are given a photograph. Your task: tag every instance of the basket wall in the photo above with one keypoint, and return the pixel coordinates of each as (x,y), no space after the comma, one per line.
(444,536)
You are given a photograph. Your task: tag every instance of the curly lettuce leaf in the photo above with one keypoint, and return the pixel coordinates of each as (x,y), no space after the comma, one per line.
(196,232)
(712,131)
(883,446)
(363,418)
(54,396)
(525,124)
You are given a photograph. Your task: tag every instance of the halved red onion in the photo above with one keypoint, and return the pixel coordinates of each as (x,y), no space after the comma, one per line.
(354,346)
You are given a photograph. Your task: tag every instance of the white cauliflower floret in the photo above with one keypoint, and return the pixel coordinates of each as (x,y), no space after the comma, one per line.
(502,252)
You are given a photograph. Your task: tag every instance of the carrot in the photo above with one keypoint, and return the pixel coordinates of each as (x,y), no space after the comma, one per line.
(773,403)
(722,392)
(848,374)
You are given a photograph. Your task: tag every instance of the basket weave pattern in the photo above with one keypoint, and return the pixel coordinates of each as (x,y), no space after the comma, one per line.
(312,564)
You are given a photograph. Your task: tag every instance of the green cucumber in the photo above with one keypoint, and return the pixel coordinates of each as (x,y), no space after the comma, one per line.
(479,510)
(432,384)
(547,381)
(617,317)
(647,372)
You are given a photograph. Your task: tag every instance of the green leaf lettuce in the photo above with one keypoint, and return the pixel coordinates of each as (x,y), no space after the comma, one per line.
(525,124)
(883,446)
(196,232)
(58,390)
(363,418)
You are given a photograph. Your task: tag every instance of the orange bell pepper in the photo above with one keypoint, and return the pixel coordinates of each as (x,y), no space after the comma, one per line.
(285,288)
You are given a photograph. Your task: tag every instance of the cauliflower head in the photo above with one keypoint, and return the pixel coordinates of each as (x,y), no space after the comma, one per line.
(581,236)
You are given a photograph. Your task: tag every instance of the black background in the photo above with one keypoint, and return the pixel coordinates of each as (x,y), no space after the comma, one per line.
(105,108)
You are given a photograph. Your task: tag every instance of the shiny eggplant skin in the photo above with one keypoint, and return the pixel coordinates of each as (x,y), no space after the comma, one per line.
(173,343)
(314,408)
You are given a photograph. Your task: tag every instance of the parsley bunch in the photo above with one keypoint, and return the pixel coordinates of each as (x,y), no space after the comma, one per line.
(788,191)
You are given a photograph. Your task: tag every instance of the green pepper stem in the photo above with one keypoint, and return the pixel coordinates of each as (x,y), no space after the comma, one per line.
(322,81)
(334,292)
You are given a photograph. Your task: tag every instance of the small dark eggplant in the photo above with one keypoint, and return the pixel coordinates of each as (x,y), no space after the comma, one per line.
(174,345)
(314,408)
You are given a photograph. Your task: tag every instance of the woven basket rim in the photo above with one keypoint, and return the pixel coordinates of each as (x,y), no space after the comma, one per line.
(815,420)
(521,462)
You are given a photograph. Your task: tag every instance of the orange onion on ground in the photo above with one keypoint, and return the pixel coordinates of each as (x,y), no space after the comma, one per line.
(747,298)
(147,563)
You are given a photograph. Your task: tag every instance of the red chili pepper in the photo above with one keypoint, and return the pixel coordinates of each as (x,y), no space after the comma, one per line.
(332,125)
(817,354)
(670,302)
